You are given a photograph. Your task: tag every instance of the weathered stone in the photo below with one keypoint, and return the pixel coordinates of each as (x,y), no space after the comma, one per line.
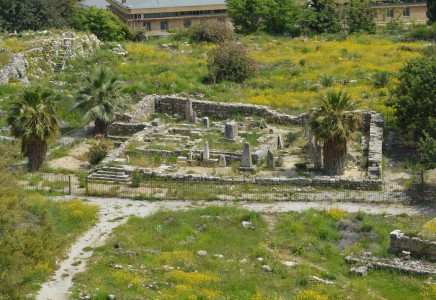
(222,161)
(189,113)
(246,160)
(270,160)
(202,253)
(359,270)
(247,225)
(289,264)
(231,131)
(194,117)
(279,142)
(155,122)
(205,122)
(267,268)
(279,161)
(206,152)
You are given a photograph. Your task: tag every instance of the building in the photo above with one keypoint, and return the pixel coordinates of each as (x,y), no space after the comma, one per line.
(406,11)
(161,15)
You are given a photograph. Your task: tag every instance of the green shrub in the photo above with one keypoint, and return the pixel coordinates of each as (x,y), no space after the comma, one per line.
(230,61)
(327,80)
(381,79)
(213,32)
(136,179)
(422,32)
(98,152)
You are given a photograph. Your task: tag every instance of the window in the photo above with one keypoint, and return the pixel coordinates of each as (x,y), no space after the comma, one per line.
(147,25)
(164,25)
(390,13)
(406,12)
(186,23)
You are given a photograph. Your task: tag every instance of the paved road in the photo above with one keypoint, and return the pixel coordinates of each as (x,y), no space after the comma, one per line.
(115,211)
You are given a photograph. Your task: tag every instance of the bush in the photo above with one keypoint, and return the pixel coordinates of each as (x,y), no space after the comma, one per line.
(103,23)
(381,79)
(136,179)
(230,61)
(98,152)
(422,32)
(213,32)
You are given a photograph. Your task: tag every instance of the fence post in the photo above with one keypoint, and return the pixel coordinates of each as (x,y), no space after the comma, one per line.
(86,185)
(69,184)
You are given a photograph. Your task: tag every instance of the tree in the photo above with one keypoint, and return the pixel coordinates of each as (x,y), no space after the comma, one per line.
(283,17)
(22,15)
(273,16)
(333,123)
(427,152)
(414,98)
(100,99)
(103,23)
(431,11)
(360,16)
(247,14)
(32,120)
(323,17)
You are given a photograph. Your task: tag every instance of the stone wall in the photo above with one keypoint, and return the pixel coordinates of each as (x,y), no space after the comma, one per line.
(372,127)
(416,246)
(176,105)
(119,128)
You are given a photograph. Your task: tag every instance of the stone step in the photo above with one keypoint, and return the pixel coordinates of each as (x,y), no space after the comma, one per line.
(102,171)
(107,178)
(110,175)
(111,169)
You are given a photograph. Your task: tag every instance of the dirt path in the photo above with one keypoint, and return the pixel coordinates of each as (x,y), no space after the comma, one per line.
(115,211)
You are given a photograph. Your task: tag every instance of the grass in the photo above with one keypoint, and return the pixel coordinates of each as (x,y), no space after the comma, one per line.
(293,73)
(167,265)
(35,233)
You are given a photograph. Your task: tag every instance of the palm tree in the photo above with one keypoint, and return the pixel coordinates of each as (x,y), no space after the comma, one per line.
(32,120)
(100,98)
(333,123)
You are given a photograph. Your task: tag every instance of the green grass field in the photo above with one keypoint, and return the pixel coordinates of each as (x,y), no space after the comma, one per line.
(158,257)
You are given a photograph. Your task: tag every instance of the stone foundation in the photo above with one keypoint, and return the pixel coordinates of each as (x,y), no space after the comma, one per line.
(416,246)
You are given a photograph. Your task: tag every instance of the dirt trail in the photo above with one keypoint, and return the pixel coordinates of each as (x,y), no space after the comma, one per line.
(115,211)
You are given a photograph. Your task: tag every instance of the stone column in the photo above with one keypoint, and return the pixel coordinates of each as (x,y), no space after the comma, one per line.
(279,142)
(206,153)
(270,159)
(315,151)
(189,113)
(246,161)
(206,123)
(231,131)
(222,161)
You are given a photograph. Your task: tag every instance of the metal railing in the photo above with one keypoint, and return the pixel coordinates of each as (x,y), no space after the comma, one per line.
(164,189)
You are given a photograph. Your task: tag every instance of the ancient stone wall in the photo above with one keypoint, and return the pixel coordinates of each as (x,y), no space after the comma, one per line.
(416,246)
(176,105)
(119,128)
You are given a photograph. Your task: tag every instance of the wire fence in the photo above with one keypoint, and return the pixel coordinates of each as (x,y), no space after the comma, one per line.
(164,189)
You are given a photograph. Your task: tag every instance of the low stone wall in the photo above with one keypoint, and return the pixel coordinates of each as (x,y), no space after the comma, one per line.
(220,110)
(356,184)
(119,128)
(416,246)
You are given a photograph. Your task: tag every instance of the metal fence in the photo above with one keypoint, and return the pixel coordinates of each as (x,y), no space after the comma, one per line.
(164,189)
